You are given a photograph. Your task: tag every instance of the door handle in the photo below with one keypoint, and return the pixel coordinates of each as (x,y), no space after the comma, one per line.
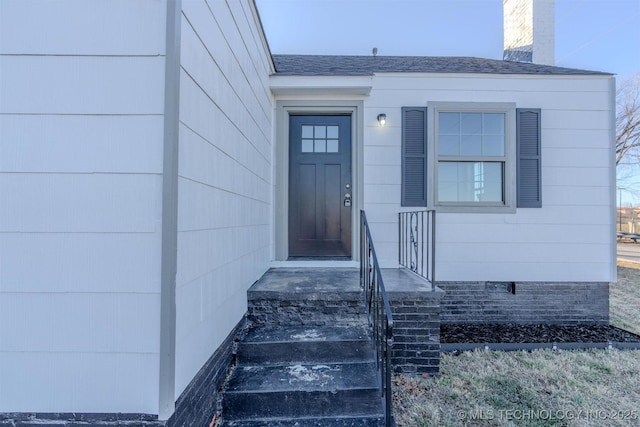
(347,200)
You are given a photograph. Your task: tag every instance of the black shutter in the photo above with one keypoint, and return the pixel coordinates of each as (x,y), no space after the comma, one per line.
(414,156)
(529,153)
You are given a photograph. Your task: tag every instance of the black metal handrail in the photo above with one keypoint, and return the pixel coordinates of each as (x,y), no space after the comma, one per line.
(379,313)
(417,248)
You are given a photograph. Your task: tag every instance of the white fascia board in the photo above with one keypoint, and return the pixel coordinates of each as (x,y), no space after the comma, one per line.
(320,85)
(263,37)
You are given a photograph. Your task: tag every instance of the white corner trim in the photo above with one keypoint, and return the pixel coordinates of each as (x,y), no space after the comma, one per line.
(169,244)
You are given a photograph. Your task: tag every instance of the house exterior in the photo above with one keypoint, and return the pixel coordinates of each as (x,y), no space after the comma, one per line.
(156,159)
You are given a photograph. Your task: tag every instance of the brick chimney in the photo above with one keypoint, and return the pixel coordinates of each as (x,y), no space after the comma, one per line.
(529,31)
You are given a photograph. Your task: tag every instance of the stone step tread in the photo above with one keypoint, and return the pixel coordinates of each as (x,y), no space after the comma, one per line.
(345,421)
(285,334)
(303,377)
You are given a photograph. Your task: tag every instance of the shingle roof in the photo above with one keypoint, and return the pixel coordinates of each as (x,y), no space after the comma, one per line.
(342,65)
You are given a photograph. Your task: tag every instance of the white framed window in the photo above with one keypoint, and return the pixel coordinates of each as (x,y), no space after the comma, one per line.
(473,156)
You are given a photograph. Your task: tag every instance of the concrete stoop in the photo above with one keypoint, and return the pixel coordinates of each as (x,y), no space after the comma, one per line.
(309,360)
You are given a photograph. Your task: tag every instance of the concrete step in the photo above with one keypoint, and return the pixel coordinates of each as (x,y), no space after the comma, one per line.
(302,391)
(310,296)
(325,344)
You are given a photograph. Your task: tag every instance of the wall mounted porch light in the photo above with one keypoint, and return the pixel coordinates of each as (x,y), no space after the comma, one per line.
(382,119)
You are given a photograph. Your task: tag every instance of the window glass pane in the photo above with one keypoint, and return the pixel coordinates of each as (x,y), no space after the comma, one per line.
(449,145)
(321,131)
(471,123)
(448,181)
(493,145)
(493,123)
(332,131)
(332,146)
(307,145)
(320,146)
(491,179)
(307,131)
(471,145)
(470,182)
(448,123)
(447,191)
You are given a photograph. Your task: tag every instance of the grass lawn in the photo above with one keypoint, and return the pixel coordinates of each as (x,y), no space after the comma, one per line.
(624,298)
(540,388)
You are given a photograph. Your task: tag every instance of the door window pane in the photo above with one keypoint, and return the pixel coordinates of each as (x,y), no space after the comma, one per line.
(307,131)
(307,145)
(332,145)
(320,139)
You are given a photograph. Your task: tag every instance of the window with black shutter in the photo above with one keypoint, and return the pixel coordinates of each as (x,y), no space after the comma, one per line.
(414,156)
(529,158)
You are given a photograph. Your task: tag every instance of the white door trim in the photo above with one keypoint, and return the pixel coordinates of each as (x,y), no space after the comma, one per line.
(281,178)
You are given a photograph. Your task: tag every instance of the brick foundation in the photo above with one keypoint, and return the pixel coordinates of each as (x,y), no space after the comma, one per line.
(416,331)
(566,303)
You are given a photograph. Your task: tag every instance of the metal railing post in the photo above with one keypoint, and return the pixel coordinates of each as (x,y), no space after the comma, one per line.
(378,312)
(417,243)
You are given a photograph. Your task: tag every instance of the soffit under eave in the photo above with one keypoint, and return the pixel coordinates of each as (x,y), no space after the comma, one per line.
(312,86)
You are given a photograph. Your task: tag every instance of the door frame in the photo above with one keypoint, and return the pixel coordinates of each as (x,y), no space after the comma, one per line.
(281,167)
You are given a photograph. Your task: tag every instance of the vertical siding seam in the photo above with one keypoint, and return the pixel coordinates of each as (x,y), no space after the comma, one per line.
(169,243)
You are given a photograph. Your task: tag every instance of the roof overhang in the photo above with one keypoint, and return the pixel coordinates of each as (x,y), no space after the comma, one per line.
(320,85)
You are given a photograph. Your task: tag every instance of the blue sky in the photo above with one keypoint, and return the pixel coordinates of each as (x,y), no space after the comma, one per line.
(602,35)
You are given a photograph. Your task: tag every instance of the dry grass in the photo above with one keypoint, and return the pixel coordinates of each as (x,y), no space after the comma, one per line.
(540,388)
(624,298)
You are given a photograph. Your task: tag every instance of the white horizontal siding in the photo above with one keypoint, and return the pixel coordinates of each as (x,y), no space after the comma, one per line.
(558,271)
(80,27)
(79,382)
(568,239)
(82,85)
(205,119)
(225,170)
(514,84)
(201,251)
(575,138)
(80,262)
(81,143)
(92,322)
(208,165)
(80,177)
(517,233)
(80,203)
